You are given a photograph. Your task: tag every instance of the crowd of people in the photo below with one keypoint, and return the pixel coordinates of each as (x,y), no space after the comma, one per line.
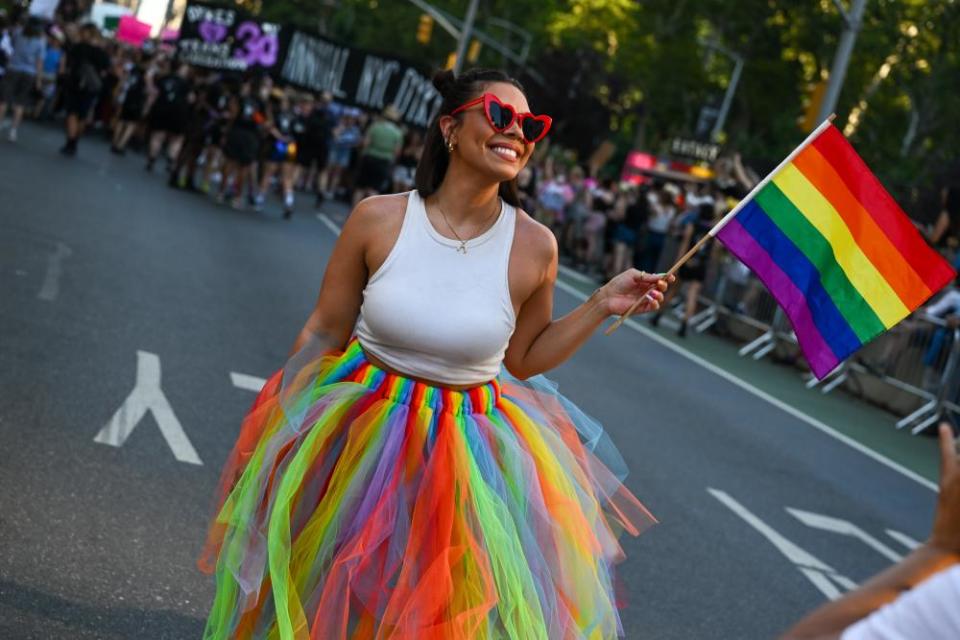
(235,136)
(604,225)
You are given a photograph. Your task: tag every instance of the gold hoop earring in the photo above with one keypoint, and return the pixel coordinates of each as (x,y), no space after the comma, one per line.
(451,146)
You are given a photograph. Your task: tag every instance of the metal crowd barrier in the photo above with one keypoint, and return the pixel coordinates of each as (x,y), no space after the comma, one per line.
(919,358)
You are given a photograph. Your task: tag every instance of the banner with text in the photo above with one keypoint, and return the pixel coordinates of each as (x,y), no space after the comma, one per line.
(357,77)
(228,39)
(225,38)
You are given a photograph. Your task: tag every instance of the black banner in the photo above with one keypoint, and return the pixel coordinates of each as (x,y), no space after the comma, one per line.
(359,78)
(225,38)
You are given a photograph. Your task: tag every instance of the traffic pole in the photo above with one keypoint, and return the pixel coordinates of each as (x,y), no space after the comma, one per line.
(465,36)
(853,20)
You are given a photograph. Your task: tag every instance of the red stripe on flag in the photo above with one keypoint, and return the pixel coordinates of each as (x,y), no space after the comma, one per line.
(864,185)
(876,246)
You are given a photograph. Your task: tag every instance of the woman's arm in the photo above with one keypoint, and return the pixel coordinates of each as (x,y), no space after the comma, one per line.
(540,343)
(941,551)
(942,224)
(341,292)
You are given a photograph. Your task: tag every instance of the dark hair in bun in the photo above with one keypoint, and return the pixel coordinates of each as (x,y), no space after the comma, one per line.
(456,90)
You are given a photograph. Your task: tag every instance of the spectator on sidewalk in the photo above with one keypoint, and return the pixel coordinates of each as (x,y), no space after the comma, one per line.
(21,83)
(662,213)
(380,150)
(945,232)
(692,227)
(916,598)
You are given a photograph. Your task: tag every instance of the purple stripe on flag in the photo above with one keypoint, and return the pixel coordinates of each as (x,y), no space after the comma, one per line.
(818,353)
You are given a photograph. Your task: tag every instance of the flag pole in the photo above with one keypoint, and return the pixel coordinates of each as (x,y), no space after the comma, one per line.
(728,217)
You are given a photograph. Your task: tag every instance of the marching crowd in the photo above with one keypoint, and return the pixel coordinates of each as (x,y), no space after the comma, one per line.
(236,136)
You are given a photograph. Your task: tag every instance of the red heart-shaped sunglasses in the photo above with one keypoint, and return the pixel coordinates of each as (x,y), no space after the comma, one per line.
(501,117)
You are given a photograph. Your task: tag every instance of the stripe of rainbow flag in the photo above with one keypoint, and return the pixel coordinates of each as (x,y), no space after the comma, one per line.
(835,250)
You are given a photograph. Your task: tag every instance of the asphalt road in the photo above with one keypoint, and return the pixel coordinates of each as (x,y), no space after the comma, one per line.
(104,270)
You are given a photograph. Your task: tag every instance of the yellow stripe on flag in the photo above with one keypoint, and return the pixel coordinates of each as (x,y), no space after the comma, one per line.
(862,273)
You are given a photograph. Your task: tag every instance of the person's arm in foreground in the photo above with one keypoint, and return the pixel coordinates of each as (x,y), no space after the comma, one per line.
(940,552)
(540,343)
(341,292)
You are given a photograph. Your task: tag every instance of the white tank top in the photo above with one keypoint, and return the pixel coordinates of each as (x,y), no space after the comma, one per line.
(433,312)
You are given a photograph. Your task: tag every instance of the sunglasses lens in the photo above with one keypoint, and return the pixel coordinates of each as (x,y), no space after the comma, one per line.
(533,129)
(500,115)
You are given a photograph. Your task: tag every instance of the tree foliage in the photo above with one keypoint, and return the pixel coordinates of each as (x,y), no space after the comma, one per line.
(640,73)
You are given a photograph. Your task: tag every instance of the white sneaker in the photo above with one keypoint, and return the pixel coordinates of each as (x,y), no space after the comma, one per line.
(12,136)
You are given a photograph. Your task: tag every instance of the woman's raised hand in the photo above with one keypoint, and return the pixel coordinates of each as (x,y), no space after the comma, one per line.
(625,289)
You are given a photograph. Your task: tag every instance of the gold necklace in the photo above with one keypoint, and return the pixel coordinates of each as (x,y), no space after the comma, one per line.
(463,243)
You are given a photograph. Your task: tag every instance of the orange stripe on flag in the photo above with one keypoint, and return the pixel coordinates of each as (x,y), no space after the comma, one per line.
(874,243)
(865,186)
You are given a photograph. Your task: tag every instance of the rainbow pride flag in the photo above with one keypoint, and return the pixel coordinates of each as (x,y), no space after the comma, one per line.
(834,248)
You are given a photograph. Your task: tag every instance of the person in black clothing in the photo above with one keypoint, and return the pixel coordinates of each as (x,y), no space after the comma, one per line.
(313,130)
(169,114)
(86,64)
(194,139)
(218,96)
(282,153)
(631,210)
(247,115)
(133,106)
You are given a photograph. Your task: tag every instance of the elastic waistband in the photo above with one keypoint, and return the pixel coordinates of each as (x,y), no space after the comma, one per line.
(354,367)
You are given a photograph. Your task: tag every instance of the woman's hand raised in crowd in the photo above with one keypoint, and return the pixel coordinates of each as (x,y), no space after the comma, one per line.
(946,522)
(621,292)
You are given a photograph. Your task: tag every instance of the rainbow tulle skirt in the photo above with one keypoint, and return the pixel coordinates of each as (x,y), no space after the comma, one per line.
(361,504)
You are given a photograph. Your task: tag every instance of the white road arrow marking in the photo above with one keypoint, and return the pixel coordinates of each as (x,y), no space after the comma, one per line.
(823,576)
(148,396)
(51,282)
(244,381)
(845,528)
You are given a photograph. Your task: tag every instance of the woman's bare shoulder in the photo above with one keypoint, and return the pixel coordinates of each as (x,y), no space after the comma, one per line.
(377,216)
(536,238)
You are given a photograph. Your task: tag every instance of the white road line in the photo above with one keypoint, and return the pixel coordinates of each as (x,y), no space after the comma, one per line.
(903,539)
(51,282)
(844,528)
(244,381)
(147,396)
(743,384)
(822,575)
(329,224)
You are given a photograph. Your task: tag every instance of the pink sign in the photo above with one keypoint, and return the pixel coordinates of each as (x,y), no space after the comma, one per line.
(132,31)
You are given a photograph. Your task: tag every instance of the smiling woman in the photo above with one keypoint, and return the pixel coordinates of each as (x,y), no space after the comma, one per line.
(393,480)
